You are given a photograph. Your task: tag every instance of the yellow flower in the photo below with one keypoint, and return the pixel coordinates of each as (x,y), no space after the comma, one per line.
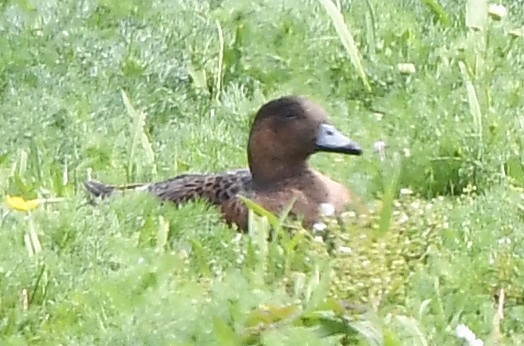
(18,203)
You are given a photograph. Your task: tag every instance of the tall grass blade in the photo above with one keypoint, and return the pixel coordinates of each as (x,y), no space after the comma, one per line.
(390,193)
(411,327)
(259,210)
(370,330)
(138,135)
(474,106)
(439,11)
(218,83)
(371,35)
(318,286)
(346,38)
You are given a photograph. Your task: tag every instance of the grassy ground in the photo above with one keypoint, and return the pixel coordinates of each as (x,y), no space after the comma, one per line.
(130,271)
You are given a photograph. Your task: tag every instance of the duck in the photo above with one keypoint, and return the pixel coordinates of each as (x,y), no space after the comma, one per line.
(285,133)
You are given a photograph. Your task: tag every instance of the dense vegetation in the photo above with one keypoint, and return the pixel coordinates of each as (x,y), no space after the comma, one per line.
(144,90)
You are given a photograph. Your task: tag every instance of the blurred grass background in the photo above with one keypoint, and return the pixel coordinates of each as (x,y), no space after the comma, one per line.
(133,272)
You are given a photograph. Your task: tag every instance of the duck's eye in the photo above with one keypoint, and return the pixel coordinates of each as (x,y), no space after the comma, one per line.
(290,115)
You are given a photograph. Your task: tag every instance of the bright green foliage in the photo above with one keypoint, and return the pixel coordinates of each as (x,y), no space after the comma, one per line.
(144,90)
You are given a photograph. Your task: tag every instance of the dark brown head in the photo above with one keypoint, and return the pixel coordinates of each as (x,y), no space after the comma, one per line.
(285,132)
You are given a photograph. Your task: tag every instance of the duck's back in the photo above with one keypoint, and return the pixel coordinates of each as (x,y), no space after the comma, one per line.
(214,188)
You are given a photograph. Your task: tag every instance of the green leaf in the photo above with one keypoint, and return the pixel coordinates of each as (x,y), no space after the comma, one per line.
(225,335)
(346,38)
(4,157)
(515,169)
(162,234)
(474,106)
(138,135)
(258,209)
(390,193)
(328,326)
(270,313)
(411,327)
(370,331)
(390,338)
(199,78)
(259,231)
(438,10)
(318,287)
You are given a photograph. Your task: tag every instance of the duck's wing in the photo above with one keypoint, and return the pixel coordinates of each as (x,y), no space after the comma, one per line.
(214,188)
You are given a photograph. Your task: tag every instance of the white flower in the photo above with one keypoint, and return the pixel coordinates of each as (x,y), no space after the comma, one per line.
(380,148)
(406,191)
(463,332)
(504,240)
(497,11)
(327,209)
(319,227)
(380,145)
(403,218)
(237,238)
(318,239)
(406,68)
(344,250)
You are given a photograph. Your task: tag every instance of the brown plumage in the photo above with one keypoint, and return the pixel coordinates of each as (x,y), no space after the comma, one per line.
(285,132)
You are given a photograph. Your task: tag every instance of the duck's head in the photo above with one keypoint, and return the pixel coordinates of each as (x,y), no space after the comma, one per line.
(285,132)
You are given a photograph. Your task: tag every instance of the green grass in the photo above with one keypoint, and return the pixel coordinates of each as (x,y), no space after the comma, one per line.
(145,90)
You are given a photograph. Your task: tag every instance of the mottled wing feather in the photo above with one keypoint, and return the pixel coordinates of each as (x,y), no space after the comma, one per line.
(98,189)
(213,188)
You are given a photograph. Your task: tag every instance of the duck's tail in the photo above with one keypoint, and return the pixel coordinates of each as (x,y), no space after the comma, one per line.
(102,190)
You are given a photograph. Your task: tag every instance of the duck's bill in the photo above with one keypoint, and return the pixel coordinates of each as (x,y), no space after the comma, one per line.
(330,139)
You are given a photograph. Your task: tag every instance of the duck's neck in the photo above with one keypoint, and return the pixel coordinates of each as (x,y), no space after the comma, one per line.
(277,172)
